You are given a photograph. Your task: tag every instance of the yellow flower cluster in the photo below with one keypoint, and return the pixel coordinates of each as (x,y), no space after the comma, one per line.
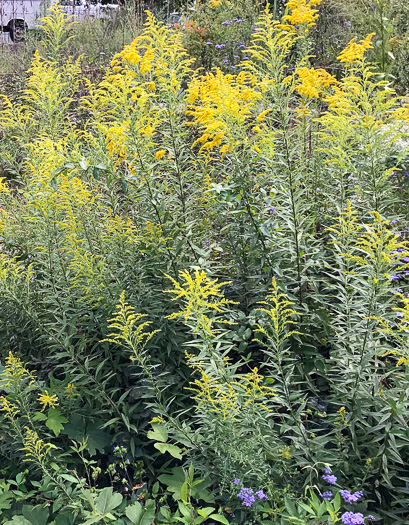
(129,331)
(219,104)
(200,295)
(354,53)
(15,374)
(34,447)
(3,186)
(279,317)
(229,398)
(313,81)
(302,12)
(8,408)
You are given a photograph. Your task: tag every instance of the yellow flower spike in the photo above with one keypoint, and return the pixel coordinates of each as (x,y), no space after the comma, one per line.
(10,410)
(200,295)
(354,53)
(47,401)
(70,391)
(15,375)
(279,316)
(129,331)
(35,448)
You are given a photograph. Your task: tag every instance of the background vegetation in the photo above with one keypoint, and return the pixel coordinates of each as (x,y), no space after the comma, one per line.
(204,268)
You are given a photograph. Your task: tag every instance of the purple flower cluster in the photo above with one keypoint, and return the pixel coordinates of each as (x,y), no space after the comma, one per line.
(395,277)
(327,495)
(248,496)
(351,498)
(352,518)
(330,479)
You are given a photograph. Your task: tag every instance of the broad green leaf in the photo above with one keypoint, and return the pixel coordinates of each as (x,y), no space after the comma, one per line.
(107,500)
(141,515)
(173,450)
(55,421)
(36,515)
(159,433)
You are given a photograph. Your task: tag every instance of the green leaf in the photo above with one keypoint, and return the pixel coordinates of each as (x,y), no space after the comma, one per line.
(107,501)
(36,515)
(5,499)
(219,517)
(141,515)
(55,421)
(173,450)
(18,520)
(69,478)
(159,433)
(183,492)
(39,416)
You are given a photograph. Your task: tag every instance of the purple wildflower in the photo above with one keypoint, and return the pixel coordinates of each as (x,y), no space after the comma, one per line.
(225,61)
(327,495)
(219,46)
(245,58)
(395,277)
(238,20)
(352,518)
(260,494)
(370,517)
(209,43)
(348,24)
(247,496)
(330,479)
(236,481)
(226,23)
(327,470)
(351,498)
(395,221)
(406,259)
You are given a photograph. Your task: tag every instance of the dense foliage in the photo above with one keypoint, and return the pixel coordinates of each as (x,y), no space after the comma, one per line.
(204,300)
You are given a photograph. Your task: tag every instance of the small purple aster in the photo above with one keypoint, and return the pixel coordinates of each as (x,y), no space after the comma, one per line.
(327,495)
(226,23)
(219,46)
(395,277)
(236,481)
(209,43)
(348,24)
(370,517)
